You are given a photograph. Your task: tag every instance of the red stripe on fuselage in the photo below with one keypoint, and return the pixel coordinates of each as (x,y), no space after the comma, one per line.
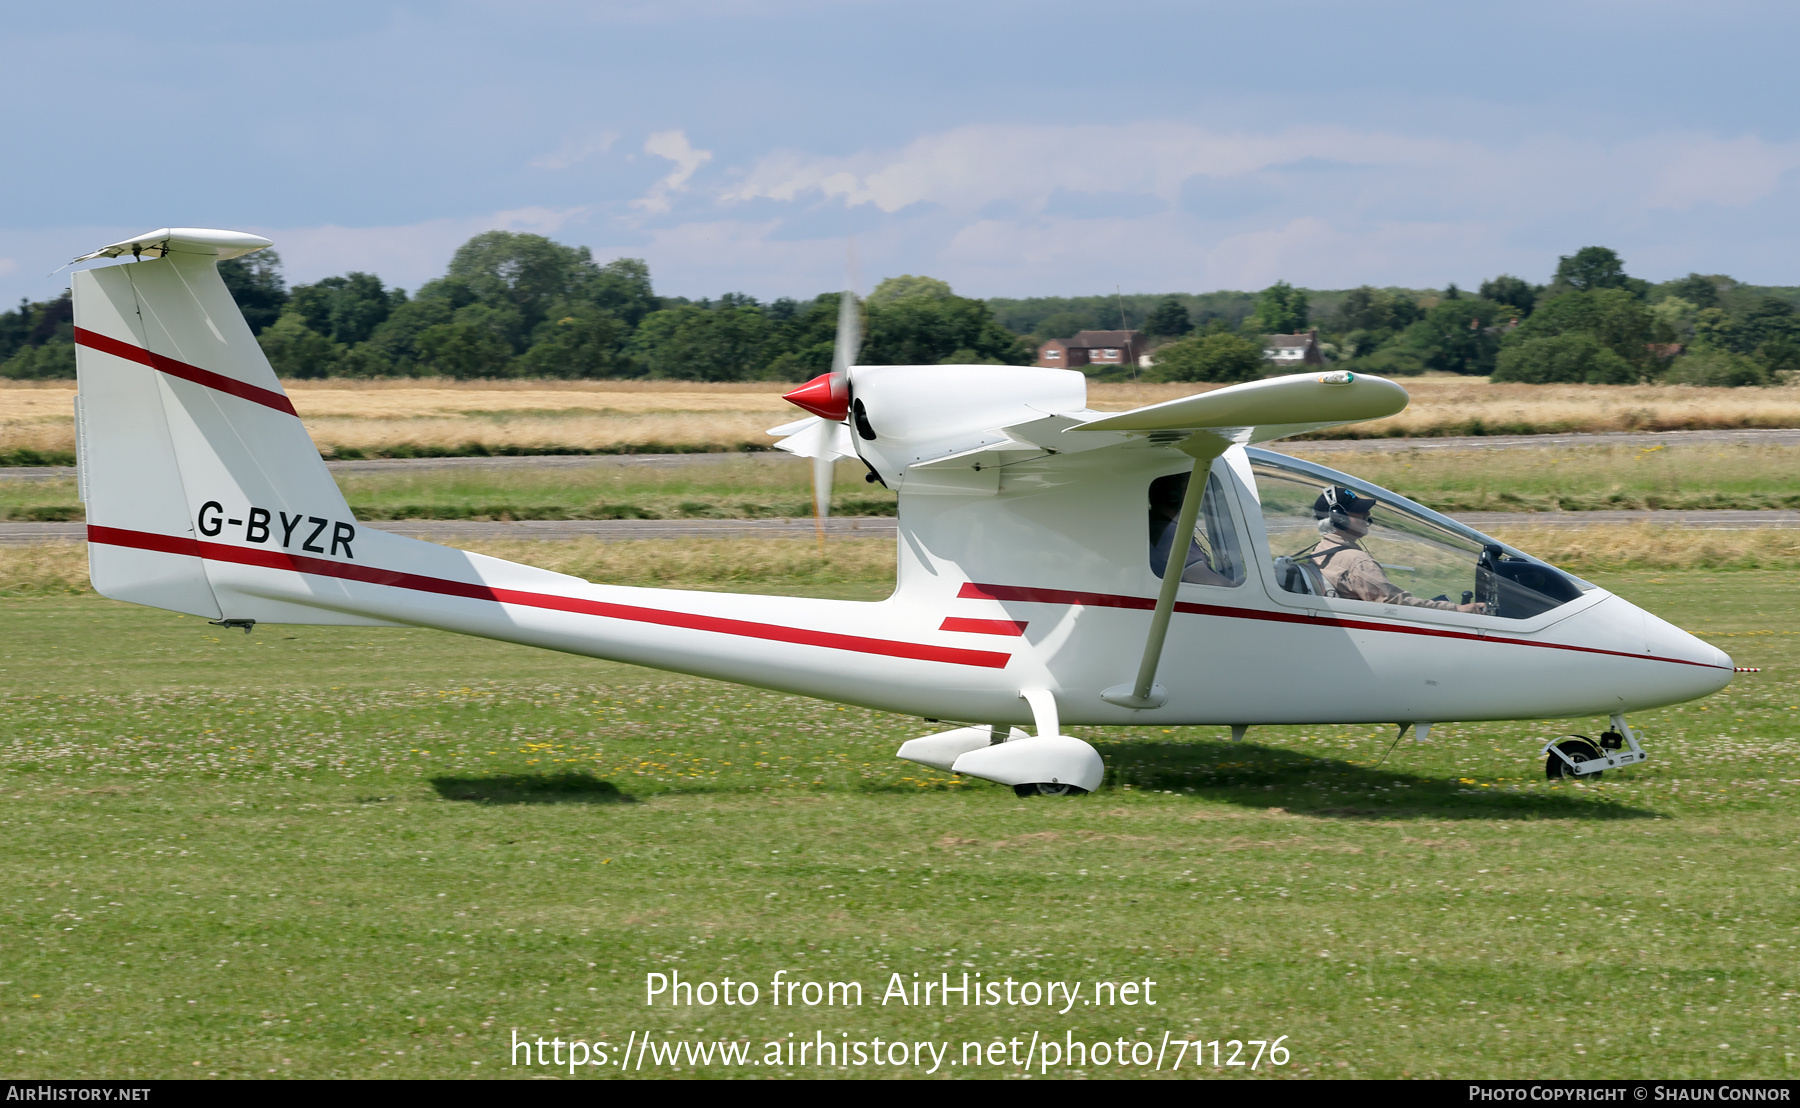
(972,591)
(1013,627)
(93,340)
(321,567)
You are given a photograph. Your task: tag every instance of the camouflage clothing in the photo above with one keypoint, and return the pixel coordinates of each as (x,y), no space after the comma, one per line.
(1352,573)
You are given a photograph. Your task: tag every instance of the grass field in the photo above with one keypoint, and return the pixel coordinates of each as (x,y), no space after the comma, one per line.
(734,488)
(379,852)
(413,418)
(1581,478)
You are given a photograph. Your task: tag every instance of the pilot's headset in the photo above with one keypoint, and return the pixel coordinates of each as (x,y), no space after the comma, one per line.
(1336,504)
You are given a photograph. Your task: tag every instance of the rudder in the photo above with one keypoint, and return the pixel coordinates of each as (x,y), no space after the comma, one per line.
(184,434)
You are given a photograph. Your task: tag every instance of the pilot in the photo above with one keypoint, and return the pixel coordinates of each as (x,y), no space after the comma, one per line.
(1166,494)
(1348,569)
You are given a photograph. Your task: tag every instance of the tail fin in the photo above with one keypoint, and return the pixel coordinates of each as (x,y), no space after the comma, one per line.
(183,433)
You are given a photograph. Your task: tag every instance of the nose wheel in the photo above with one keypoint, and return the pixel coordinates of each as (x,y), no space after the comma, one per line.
(1568,756)
(1580,756)
(1045,788)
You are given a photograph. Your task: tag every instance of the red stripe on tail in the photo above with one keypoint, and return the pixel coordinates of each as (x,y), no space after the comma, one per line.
(93,340)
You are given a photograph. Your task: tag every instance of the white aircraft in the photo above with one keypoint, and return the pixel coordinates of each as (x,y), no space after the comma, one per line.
(1030,586)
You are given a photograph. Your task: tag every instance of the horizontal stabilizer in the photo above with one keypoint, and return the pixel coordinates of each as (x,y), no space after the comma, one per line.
(217,245)
(1262,410)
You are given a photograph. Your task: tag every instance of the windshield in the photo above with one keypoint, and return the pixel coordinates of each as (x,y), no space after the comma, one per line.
(1333,536)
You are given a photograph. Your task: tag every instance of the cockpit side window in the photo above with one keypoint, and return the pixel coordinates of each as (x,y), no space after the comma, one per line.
(1215,554)
(1329,539)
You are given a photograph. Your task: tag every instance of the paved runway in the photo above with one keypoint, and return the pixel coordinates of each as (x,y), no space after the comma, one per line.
(879,527)
(1774,437)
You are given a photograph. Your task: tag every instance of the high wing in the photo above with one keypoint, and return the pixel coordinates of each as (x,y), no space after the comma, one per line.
(1206,423)
(1259,411)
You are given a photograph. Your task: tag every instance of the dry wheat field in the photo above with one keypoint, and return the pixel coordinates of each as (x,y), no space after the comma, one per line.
(410,418)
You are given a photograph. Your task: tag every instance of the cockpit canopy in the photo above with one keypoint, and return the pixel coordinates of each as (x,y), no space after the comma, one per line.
(1396,553)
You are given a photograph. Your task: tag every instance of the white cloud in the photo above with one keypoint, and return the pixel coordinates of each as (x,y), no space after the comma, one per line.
(674,146)
(969,167)
(7,266)
(1024,210)
(575,150)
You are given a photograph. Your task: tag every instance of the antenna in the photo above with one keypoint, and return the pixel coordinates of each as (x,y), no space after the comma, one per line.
(1131,350)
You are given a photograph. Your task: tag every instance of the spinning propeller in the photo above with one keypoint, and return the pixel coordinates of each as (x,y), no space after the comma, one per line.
(828,397)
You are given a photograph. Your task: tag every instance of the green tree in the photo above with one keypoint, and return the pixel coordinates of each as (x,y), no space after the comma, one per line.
(396,339)
(1456,336)
(1392,361)
(1062,325)
(1282,309)
(1369,318)
(693,343)
(255,282)
(1169,319)
(907,287)
(1514,292)
(1574,357)
(1769,320)
(802,338)
(1595,267)
(54,360)
(1371,309)
(621,287)
(37,340)
(477,342)
(1717,369)
(296,350)
(1614,317)
(578,340)
(1217,356)
(14,327)
(526,273)
(1699,290)
(1677,316)
(345,309)
(930,330)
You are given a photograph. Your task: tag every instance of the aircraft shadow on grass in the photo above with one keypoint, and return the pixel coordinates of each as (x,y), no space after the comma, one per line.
(1270,777)
(531,788)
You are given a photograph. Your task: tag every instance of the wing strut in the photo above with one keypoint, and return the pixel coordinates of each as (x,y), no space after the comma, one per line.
(1145,692)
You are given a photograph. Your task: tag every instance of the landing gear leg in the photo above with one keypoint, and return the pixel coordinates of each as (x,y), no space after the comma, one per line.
(1579,756)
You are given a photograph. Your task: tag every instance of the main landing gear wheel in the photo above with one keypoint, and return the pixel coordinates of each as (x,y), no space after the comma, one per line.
(1579,748)
(1045,788)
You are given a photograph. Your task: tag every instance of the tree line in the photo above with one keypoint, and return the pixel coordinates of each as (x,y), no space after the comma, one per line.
(521,305)
(1591,324)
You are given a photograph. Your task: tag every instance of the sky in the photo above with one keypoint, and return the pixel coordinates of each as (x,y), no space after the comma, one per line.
(1010,148)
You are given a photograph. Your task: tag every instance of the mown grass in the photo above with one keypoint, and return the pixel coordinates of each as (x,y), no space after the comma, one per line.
(377,852)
